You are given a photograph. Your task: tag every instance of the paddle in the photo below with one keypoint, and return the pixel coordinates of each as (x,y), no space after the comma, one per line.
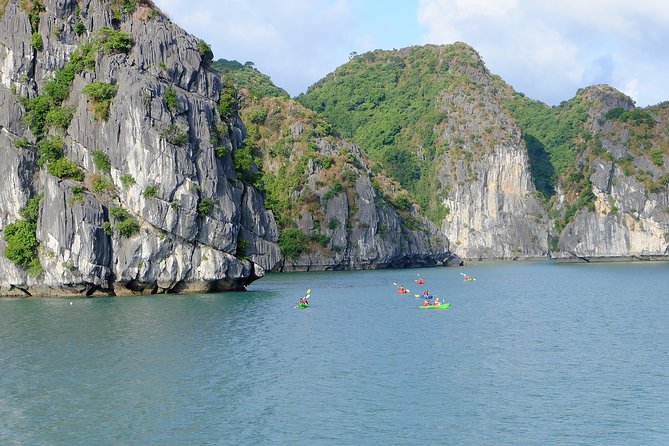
(407,289)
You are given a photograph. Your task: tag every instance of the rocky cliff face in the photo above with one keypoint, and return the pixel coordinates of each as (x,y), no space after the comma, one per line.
(505,176)
(433,117)
(627,169)
(126,169)
(333,213)
(494,211)
(131,195)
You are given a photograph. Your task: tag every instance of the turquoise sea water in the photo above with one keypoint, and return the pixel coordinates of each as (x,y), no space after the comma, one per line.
(530,353)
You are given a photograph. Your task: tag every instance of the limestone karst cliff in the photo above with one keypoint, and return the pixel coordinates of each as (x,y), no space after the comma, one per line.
(131,165)
(505,176)
(333,212)
(617,202)
(433,117)
(110,119)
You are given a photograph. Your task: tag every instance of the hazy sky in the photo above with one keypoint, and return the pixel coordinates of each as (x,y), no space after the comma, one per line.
(545,49)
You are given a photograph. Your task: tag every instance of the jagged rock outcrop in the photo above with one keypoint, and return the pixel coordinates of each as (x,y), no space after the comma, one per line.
(433,117)
(494,212)
(163,213)
(628,173)
(365,231)
(507,177)
(339,215)
(131,166)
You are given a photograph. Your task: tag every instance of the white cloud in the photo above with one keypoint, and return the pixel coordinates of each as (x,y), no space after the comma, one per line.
(545,49)
(631,88)
(549,49)
(296,42)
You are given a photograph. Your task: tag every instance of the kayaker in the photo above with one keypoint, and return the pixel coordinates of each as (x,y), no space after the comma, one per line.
(401,290)
(436,301)
(426,302)
(304,300)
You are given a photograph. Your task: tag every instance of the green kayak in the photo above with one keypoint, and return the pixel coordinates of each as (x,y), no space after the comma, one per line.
(436,307)
(302,306)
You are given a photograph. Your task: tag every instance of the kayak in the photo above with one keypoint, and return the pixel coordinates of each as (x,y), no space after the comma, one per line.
(302,306)
(468,280)
(402,292)
(436,307)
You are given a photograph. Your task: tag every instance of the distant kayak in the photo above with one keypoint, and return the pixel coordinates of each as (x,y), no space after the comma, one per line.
(304,300)
(436,307)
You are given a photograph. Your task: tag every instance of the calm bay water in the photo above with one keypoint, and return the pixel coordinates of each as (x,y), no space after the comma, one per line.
(530,353)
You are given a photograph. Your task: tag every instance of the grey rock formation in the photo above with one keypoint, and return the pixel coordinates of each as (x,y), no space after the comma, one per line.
(628,218)
(159,206)
(364,230)
(494,212)
(177,246)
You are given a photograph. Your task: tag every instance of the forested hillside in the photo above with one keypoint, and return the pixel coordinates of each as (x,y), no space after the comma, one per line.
(438,121)
(388,103)
(320,188)
(433,117)
(247,76)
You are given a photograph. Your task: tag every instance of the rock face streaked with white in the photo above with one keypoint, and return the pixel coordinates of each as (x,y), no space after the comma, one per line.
(177,248)
(494,212)
(629,220)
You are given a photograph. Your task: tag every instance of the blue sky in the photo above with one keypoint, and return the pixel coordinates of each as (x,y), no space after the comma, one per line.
(545,49)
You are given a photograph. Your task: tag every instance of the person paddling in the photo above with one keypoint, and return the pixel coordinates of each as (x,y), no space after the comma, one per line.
(304,300)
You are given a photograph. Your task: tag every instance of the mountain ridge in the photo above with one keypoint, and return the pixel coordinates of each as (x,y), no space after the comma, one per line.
(472,113)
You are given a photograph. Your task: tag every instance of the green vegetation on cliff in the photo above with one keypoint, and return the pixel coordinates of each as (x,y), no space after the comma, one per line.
(21,238)
(553,136)
(248,77)
(647,133)
(277,160)
(3,5)
(300,165)
(46,110)
(390,104)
